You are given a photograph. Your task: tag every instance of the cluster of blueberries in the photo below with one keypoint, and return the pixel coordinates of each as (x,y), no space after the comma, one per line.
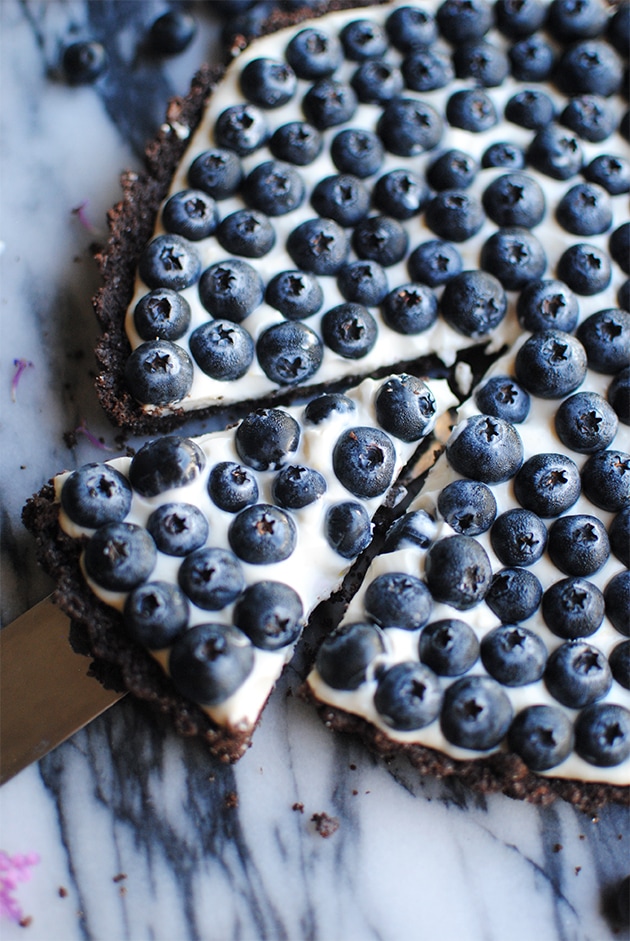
(475,711)
(362,214)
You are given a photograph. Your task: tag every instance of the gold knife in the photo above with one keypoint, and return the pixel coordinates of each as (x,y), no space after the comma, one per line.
(46,693)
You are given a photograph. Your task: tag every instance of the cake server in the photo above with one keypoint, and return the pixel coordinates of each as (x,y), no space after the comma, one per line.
(46,693)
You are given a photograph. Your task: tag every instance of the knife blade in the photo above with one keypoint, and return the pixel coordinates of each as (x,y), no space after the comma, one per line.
(46,694)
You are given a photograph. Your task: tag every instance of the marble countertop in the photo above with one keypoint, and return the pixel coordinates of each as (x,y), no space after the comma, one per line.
(141,835)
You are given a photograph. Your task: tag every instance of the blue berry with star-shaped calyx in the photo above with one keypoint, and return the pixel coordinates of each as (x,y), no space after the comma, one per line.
(606,339)
(532,58)
(530,108)
(363,39)
(273,188)
(169,261)
(210,661)
(405,407)
(164,464)
(485,448)
(514,594)
(514,199)
(296,294)
(296,486)
(434,262)
(473,303)
(349,330)
(585,209)
(454,215)
(329,103)
(483,62)
(380,239)
(319,246)
(231,289)
(313,53)
(513,655)
(223,350)
(547,305)
(270,613)
(471,109)
(606,479)
(602,734)
(551,364)
(217,172)
(262,534)
(241,128)
(427,68)
(377,81)
(453,169)
(409,27)
(610,171)
(343,198)
(400,194)
(296,142)
(364,459)
(96,494)
(190,213)
(468,506)
(449,646)
(363,282)
(578,544)
(408,696)
(232,487)
(159,372)
(518,18)
(515,256)
(503,154)
(573,607)
(591,66)
(410,308)
(178,528)
(518,537)
(162,314)
(246,232)
(266,437)
(397,599)
(357,151)
(542,736)
(155,614)
(464,20)
(268,83)
(569,21)
(289,352)
(577,674)
(476,713)
(120,556)
(548,484)
(212,578)
(555,152)
(348,653)
(586,422)
(408,127)
(591,117)
(458,571)
(503,397)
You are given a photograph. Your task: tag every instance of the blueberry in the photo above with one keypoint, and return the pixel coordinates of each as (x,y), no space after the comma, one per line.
(427,69)
(349,330)
(619,395)
(329,103)
(481,61)
(223,350)
(190,213)
(569,21)
(296,142)
(364,460)
(542,736)
(551,364)
(532,59)
(232,487)
(405,407)
(518,537)
(119,556)
(602,734)
(514,256)
(327,405)
(503,397)
(380,239)
(469,507)
(547,484)
(577,674)
(413,530)
(400,194)
(611,172)
(241,128)
(343,198)
(408,127)
(585,209)
(409,27)
(503,154)
(473,303)
(454,215)
(217,172)
(210,661)
(585,269)
(266,437)
(619,533)
(296,294)
(578,545)
(165,463)
(453,169)
(618,32)
(514,199)
(155,614)
(319,246)
(585,422)
(178,528)
(289,352)
(96,494)
(84,61)
(312,53)
(159,372)
(513,655)
(396,599)
(458,571)
(363,282)
(619,245)
(212,578)
(169,261)
(270,614)
(464,20)
(591,67)
(274,188)
(346,655)
(476,713)
(606,479)
(434,262)
(573,607)
(231,289)
(377,81)
(162,314)
(408,696)
(519,18)
(619,660)
(295,486)
(555,152)
(514,594)
(246,232)
(410,308)
(485,448)
(348,528)
(617,598)
(591,117)
(471,109)
(358,152)
(362,39)
(172,32)
(450,647)
(530,108)
(544,305)
(262,534)
(268,83)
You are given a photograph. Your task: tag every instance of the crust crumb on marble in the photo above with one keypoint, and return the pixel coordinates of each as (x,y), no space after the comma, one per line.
(324,824)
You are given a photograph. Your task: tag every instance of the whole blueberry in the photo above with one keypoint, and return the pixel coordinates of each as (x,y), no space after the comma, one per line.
(231,289)
(513,655)
(458,571)
(586,422)
(619,660)
(172,32)
(518,537)
(96,494)
(178,528)
(377,81)
(210,661)
(602,734)
(84,61)
(532,59)
(119,556)
(262,534)
(380,239)
(155,614)
(514,199)
(343,198)
(415,529)
(518,18)
(464,20)
(485,448)
(408,696)
(578,544)
(313,53)
(223,350)
(327,405)
(503,154)
(212,578)
(585,269)
(503,397)
(617,598)
(232,487)
(319,245)
(400,194)
(159,372)
(454,215)
(348,528)
(551,364)
(246,232)
(296,294)
(217,172)
(619,395)
(408,127)
(606,479)
(363,39)
(270,614)
(555,152)
(409,27)
(363,282)
(349,330)
(573,607)
(469,507)
(569,21)
(530,108)
(268,83)
(427,69)
(591,67)
(453,169)
(476,713)
(405,407)
(619,245)
(364,460)
(542,736)
(434,262)
(548,484)
(164,464)
(356,151)
(162,314)
(514,595)
(577,674)
(296,486)
(481,61)
(585,209)
(397,599)
(473,303)
(618,32)
(329,103)
(591,117)
(296,142)
(410,308)
(274,188)
(610,171)
(347,653)
(449,646)
(241,128)
(471,109)
(547,305)
(289,352)
(515,256)
(266,437)
(169,261)
(190,213)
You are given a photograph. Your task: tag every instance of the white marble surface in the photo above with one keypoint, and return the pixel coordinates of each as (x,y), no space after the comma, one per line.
(411,859)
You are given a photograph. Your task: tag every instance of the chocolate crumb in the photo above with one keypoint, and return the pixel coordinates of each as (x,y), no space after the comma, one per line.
(354,793)
(557,847)
(25,922)
(578,869)
(123,890)
(325,825)
(299,807)
(353,767)
(120,877)
(231,800)
(63,892)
